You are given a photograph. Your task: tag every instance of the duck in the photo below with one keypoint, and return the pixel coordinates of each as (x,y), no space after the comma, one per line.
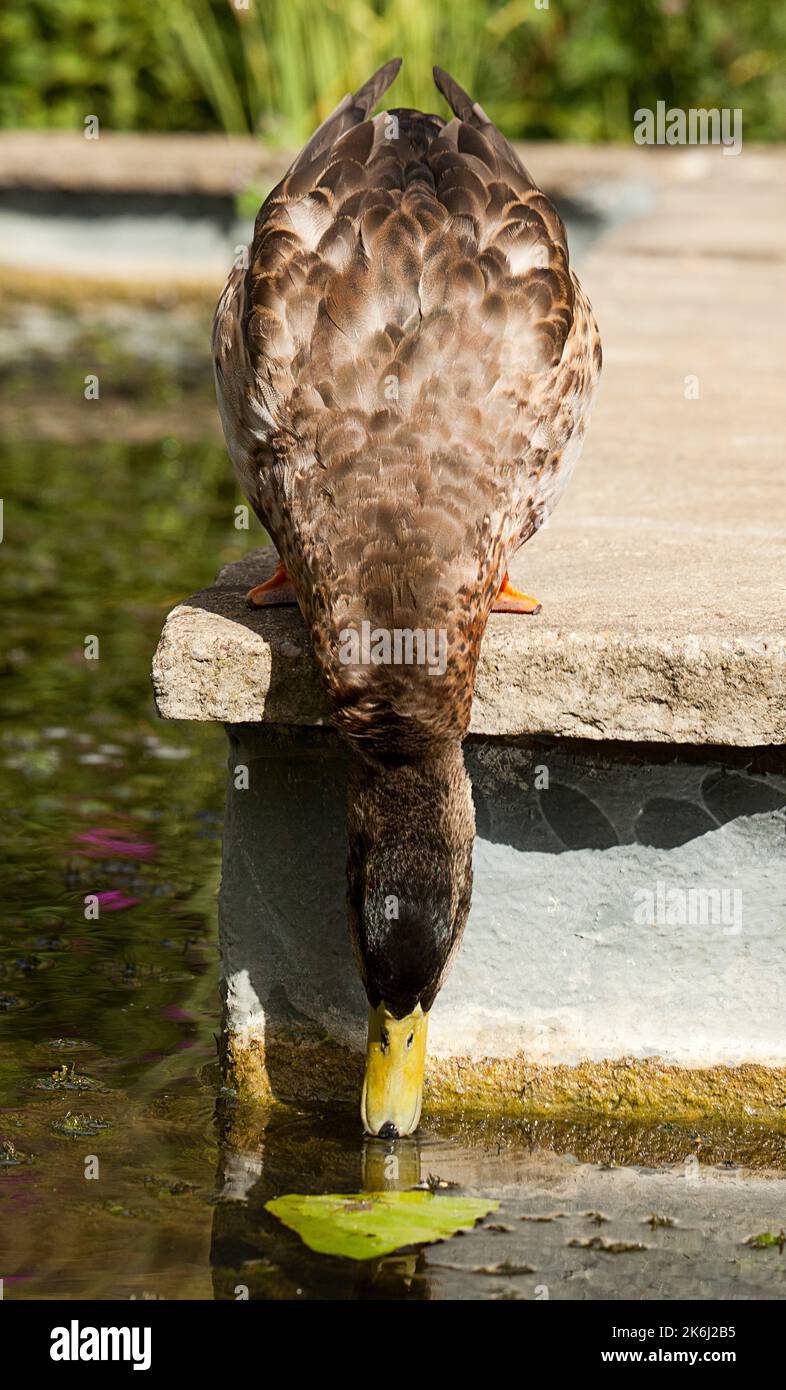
(405,367)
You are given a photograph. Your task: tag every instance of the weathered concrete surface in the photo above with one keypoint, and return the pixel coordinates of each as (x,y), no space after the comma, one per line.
(64,161)
(221,165)
(577,672)
(584,979)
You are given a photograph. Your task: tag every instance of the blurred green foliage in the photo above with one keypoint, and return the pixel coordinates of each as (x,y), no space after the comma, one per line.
(567,70)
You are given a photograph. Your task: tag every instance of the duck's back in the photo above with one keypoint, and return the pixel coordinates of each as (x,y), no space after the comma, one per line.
(404,373)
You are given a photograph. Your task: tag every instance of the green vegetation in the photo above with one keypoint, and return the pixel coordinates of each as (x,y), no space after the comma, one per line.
(767,1241)
(568,70)
(369,1224)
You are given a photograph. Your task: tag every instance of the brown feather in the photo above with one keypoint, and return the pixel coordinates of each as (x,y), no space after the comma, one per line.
(405,373)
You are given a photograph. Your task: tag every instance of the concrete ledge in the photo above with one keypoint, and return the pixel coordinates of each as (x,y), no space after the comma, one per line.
(583,668)
(222,165)
(171,221)
(64,161)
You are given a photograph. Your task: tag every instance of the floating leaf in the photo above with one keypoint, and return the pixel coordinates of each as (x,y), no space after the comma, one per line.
(767,1241)
(117,1209)
(169,1187)
(362,1226)
(81,1126)
(505,1268)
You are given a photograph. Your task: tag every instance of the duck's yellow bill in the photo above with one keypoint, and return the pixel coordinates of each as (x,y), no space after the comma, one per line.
(395,1061)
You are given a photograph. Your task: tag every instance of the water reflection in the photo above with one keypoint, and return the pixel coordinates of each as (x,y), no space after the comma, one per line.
(280,1153)
(551,1177)
(112,822)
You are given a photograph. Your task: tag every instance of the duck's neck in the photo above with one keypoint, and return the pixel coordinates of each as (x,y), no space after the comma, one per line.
(388,794)
(411,828)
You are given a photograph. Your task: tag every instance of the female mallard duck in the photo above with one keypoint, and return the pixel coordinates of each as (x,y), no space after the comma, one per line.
(405,373)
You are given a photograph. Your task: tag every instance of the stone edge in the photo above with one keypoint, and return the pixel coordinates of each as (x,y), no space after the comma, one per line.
(310,1071)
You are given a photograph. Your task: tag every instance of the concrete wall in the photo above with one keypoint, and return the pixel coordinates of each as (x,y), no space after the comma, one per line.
(622,907)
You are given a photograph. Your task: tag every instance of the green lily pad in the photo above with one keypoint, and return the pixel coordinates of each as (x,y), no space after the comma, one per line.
(362,1226)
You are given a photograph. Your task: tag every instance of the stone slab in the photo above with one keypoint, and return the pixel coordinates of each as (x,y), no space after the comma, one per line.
(222,165)
(575,670)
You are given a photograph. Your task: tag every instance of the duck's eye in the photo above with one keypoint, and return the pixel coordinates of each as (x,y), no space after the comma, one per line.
(410,1040)
(384,1042)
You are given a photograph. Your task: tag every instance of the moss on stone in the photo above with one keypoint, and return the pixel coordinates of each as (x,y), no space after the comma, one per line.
(309,1069)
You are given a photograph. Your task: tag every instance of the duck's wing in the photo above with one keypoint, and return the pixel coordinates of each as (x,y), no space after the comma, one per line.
(403,370)
(252,385)
(550,359)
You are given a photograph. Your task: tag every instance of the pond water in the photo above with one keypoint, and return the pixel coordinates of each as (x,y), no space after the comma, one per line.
(125,1170)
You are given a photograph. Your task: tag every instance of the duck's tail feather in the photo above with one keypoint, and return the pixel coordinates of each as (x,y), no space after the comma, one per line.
(351,110)
(459,101)
(472,113)
(372,91)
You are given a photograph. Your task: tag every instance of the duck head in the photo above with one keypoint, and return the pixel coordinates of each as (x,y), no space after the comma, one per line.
(411,827)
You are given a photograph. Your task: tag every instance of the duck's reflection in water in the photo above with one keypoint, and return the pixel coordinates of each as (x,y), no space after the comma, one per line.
(268,1153)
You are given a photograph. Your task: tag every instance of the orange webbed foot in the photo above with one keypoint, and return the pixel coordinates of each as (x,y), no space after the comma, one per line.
(510,600)
(278,589)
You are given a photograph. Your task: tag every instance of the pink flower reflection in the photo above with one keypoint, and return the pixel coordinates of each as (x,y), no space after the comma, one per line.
(112,900)
(101,843)
(177,1014)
